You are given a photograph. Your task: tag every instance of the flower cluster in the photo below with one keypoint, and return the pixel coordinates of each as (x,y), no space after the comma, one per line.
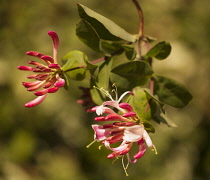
(126,129)
(47,76)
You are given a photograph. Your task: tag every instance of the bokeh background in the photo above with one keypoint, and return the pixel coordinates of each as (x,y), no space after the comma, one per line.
(48,142)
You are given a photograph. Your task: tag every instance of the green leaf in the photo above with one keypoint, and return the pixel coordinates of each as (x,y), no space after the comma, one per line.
(87,34)
(105,28)
(113,47)
(130,51)
(102,81)
(110,47)
(171,92)
(131,74)
(148,126)
(144,107)
(93,69)
(161,117)
(168,121)
(74,64)
(160,51)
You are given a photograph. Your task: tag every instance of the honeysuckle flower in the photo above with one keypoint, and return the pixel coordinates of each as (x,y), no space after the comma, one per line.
(127,129)
(47,76)
(114,102)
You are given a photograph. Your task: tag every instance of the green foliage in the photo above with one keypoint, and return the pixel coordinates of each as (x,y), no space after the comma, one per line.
(144,107)
(105,28)
(131,74)
(87,34)
(160,51)
(101,81)
(110,47)
(171,92)
(74,64)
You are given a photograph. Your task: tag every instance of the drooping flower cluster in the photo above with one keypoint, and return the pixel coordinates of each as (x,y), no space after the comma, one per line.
(47,76)
(126,128)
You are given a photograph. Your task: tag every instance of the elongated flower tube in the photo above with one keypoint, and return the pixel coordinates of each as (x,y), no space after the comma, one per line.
(126,128)
(47,76)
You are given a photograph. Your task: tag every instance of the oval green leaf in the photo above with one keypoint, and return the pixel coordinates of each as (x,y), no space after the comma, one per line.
(160,51)
(171,92)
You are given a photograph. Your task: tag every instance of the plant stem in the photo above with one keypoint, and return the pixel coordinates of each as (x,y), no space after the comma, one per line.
(141,18)
(75,68)
(141,26)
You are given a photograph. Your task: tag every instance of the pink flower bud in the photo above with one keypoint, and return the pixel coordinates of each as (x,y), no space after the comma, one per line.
(30,84)
(32,76)
(126,106)
(41,92)
(47,58)
(100,118)
(25,68)
(48,84)
(36,101)
(33,88)
(53,90)
(35,54)
(129,114)
(115,117)
(60,83)
(55,38)
(54,66)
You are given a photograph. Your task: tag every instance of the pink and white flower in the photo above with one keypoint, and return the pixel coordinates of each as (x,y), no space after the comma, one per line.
(126,129)
(47,76)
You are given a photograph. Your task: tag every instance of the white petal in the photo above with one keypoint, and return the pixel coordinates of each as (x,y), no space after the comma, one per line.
(100,110)
(147,139)
(133,133)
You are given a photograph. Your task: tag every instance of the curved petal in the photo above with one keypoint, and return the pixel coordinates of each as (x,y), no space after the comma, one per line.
(141,152)
(117,149)
(147,139)
(100,133)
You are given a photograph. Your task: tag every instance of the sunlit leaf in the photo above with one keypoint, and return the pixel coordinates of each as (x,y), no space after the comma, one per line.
(74,65)
(171,92)
(144,107)
(105,28)
(160,51)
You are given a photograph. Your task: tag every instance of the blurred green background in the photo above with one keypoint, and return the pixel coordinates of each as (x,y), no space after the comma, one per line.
(48,142)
